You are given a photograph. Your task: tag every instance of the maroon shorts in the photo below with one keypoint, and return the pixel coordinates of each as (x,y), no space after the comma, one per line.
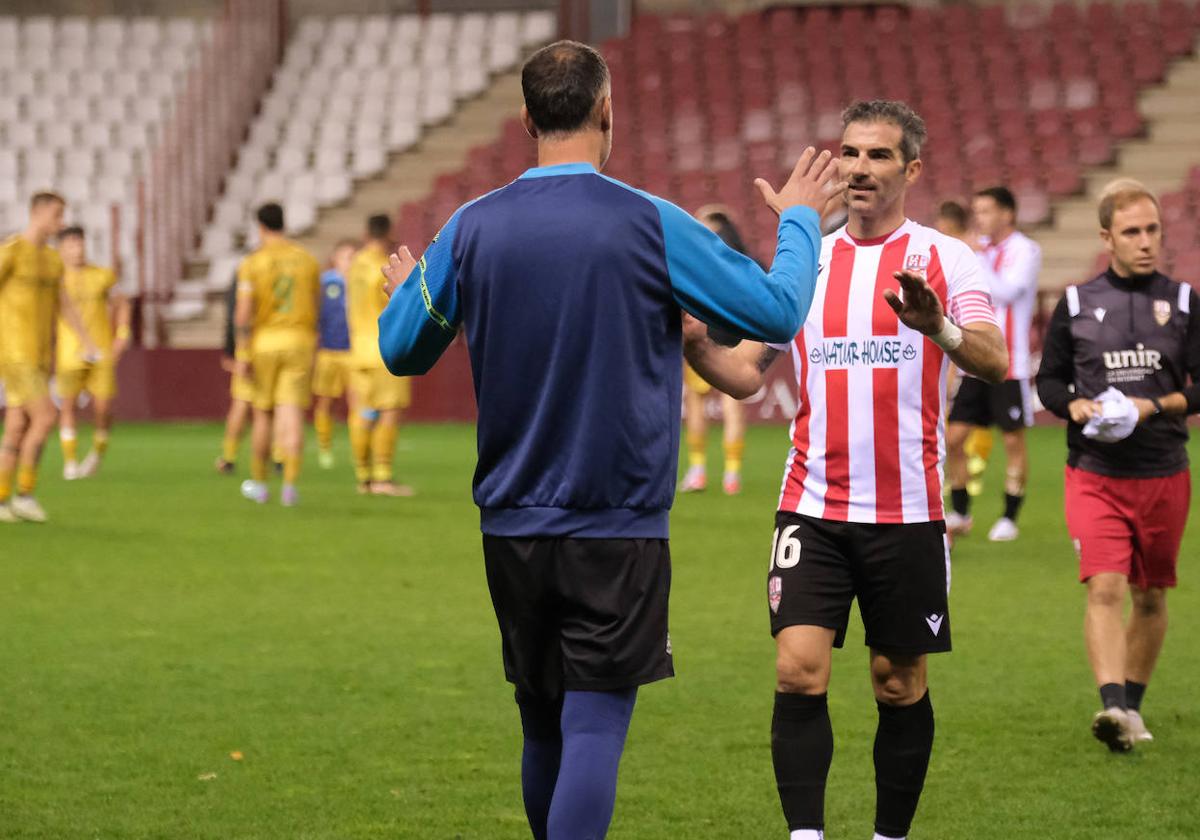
(1132,526)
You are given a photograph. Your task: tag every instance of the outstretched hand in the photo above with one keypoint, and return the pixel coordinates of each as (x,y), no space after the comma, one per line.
(400,265)
(918,307)
(813,183)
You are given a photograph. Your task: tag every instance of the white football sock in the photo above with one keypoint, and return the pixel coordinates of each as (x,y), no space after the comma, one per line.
(807,834)
(879,836)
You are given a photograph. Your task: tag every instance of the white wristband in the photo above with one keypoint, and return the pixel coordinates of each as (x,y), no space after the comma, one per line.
(949,337)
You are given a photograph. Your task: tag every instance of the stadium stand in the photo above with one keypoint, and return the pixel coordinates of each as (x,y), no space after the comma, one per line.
(350,91)
(1032,96)
(82,103)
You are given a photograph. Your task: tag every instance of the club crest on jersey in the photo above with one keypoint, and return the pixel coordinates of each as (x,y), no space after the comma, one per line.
(1162,312)
(916,262)
(775,592)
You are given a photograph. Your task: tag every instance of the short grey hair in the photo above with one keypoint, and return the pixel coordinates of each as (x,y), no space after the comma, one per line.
(912,127)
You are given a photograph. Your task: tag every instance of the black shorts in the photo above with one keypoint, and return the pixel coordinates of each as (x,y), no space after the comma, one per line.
(1007,404)
(580,614)
(899,573)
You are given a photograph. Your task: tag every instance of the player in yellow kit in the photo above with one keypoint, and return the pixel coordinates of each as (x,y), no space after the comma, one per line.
(90,288)
(278,296)
(31,295)
(380,398)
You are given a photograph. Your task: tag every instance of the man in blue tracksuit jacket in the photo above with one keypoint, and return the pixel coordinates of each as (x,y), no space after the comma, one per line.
(569,286)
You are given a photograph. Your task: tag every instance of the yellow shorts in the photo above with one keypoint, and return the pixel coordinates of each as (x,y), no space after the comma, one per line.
(99,380)
(376,388)
(24,384)
(332,373)
(693,381)
(282,377)
(241,389)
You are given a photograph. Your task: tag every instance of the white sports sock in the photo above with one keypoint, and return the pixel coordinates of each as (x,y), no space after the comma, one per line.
(881,837)
(807,834)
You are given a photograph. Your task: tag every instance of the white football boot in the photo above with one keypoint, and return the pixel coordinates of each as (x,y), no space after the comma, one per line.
(28,509)
(71,471)
(695,480)
(1005,530)
(90,465)
(1112,727)
(7,517)
(1137,727)
(958,525)
(255,491)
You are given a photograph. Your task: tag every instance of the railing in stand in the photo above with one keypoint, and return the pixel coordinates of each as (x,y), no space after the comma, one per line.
(197,145)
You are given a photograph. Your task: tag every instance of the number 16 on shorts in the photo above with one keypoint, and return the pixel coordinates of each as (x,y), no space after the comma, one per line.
(785,554)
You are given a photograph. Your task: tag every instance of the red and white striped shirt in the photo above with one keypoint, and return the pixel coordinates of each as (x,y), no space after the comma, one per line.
(1011,267)
(867,441)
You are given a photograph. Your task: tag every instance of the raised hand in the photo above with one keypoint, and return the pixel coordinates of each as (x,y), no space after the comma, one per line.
(813,183)
(919,308)
(400,265)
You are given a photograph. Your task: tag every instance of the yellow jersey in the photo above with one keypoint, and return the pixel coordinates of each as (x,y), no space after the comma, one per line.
(365,302)
(88,289)
(30,278)
(284,281)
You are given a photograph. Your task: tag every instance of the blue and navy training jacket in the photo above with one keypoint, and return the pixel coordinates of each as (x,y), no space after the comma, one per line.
(331,321)
(569,286)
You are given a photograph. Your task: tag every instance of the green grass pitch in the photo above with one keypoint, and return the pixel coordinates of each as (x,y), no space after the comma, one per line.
(348,651)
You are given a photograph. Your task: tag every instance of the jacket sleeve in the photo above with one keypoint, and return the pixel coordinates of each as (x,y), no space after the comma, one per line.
(1056,375)
(423,315)
(726,289)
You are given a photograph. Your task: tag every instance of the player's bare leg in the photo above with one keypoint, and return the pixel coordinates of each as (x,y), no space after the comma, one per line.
(16,421)
(103,417)
(903,741)
(1143,642)
(42,417)
(255,488)
(1105,635)
(1016,468)
(958,518)
(383,453)
(801,732)
(696,478)
(734,415)
(68,436)
(235,428)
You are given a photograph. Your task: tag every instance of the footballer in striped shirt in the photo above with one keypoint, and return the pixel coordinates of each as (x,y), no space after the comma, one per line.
(860,512)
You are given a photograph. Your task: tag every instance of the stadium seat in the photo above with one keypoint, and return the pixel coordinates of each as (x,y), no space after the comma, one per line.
(329,117)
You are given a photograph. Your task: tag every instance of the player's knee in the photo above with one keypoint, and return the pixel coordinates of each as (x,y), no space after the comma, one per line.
(1106,593)
(1150,603)
(796,673)
(898,686)
(898,681)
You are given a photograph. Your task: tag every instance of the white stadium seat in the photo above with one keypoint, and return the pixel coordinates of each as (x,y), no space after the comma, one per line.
(352,89)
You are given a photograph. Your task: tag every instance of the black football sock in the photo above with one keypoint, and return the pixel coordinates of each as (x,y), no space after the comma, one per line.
(802,750)
(1012,505)
(1112,695)
(960,500)
(903,744)
(1134,691)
